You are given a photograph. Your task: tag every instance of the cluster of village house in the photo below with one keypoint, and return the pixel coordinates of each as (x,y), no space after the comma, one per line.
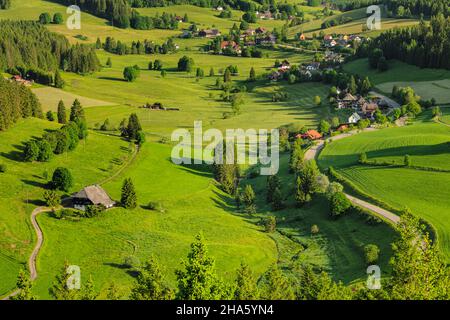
(249,37)
(20,80)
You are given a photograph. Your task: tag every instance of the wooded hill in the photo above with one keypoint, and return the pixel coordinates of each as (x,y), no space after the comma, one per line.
(426,46)
(16,101)
(29,45)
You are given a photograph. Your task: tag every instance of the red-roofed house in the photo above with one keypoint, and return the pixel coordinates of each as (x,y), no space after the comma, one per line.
(310,134)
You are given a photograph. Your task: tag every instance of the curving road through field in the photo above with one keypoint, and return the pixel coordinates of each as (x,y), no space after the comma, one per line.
(313,153)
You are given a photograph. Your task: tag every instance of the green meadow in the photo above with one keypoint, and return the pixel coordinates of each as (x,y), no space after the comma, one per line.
(424,192)
(22,185)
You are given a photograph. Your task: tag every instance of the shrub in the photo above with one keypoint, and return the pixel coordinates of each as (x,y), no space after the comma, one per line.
(270,224)
(314,229)
(371,252)
(131,262)
(339,204)
(156,206)
(2,168)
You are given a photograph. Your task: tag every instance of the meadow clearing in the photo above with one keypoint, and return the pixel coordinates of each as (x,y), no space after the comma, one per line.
(426,193)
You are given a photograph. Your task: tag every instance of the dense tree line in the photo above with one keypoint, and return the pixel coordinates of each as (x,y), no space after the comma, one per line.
(426,46)
(397,8)
(136,47)
(16,101)
(5,4)
(29,47)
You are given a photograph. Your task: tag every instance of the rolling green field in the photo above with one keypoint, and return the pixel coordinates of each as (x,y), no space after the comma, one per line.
(21,187)
(191,198)
(193,204)
(338,248)
(426,193)
(197,100)
(439,89)
(398,71)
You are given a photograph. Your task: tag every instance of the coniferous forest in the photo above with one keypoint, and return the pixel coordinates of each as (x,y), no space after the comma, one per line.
(423,45)
(16,101)
(38,50)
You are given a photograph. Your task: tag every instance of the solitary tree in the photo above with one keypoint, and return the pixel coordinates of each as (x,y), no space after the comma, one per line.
(58,18)
(198,279)
(252,74)
(128,198)
(62,179)
(62,117)
(131,73)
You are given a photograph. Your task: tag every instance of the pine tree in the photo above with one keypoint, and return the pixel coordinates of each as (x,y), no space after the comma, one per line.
(128,198)
(198,280)
(273,182)
(60,289)
(25,285)
(76,111)
(109,63)
(59,82)
(277,286)
(151,284)
(211,72)
(227,75)
(112,292)
(98,44)
(252,75)
(133,127)
(278,202)
(246,288)
(62,117)
(419,271)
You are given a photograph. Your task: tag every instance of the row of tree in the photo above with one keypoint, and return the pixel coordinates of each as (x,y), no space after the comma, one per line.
(5,4)
(59,141)
(16,101)
(137,47)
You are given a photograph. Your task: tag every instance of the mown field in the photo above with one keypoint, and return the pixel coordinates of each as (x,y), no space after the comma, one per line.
(22,185)
(426,193)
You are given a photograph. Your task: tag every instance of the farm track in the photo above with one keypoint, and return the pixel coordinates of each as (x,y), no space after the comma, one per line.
(314,152)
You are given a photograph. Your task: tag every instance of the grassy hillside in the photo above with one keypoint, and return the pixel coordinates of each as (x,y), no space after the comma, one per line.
(424,192)
(21,187)
(193,204)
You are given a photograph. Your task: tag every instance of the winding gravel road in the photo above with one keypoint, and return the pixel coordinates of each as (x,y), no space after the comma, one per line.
(313,153)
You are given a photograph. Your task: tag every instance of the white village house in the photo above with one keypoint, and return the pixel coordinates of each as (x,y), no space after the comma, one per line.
(354,118)
(91,195)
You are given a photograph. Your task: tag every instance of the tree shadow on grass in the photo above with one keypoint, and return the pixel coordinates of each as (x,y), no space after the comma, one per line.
(35,183)
(112,79)
(130,271)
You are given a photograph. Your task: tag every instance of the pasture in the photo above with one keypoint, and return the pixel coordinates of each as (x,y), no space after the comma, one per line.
(49,98)
(192,204)
(426,192)
(22,185)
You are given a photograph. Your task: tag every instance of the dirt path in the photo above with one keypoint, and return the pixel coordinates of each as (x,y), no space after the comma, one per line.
(313,153)
(40,235)
(37,247)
